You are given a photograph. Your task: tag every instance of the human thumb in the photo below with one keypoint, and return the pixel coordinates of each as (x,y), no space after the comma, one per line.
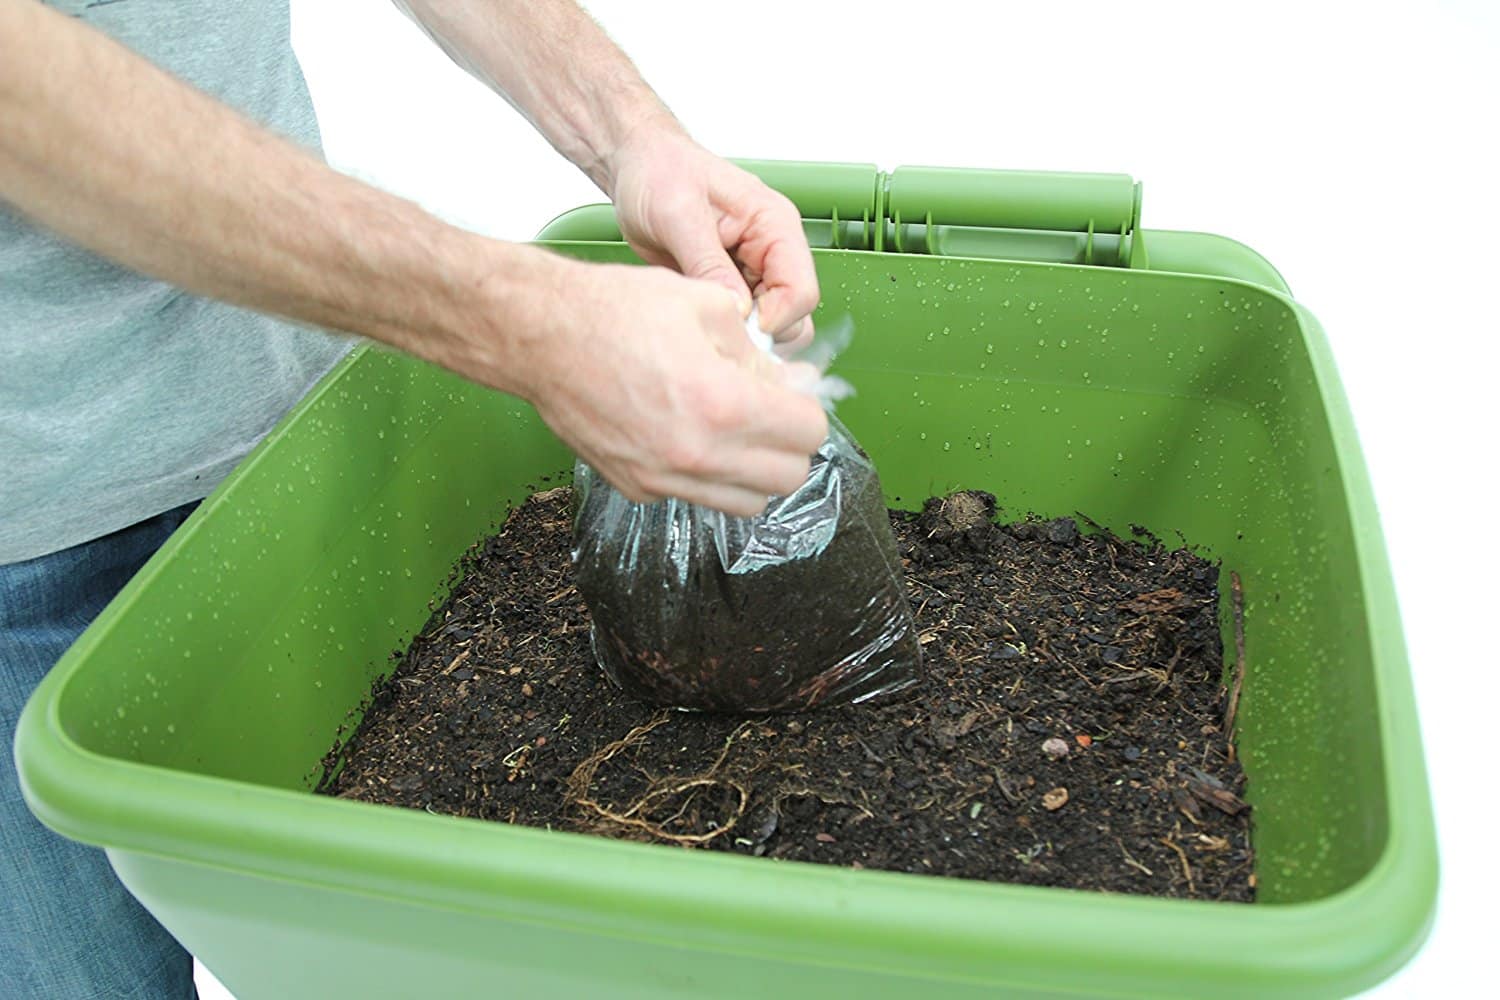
(695,246)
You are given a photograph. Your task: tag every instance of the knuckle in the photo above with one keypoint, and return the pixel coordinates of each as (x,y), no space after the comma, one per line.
(686,455)
(804,298)
(784,208)
(715,406)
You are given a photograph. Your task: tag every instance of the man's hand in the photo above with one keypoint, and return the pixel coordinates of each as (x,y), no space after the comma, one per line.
(683,207)
(678,204)
(650,378)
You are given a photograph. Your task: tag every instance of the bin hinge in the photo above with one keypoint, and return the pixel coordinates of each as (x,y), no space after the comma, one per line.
(1029,215)
(1013,214)
(1077,218)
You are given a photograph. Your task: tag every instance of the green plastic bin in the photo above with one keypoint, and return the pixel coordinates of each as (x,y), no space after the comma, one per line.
(1014,332)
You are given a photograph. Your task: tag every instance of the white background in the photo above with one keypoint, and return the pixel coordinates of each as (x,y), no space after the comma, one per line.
(1350,145)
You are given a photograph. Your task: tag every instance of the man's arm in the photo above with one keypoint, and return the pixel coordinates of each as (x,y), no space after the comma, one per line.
(678,204)
(554,64)
(119,156)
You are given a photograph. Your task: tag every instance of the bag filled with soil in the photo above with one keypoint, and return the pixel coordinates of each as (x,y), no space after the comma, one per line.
(800,606)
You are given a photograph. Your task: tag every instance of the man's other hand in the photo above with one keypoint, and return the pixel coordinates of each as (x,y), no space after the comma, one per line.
(682,207)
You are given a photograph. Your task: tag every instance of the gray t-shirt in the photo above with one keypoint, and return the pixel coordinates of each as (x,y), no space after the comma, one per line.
(120,396)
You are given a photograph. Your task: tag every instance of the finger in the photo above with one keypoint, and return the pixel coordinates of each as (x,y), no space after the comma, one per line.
(726,328)
(783,418)
(731,499)
(761,470)
(699,253)
(788,287)
(783,306)
(796,338)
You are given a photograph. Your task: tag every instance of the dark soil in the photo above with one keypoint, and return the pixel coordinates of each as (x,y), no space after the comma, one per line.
(1068,730)
(802,605)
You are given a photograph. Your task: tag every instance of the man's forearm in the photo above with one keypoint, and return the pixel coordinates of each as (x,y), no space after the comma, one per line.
(117,155)
(556,66)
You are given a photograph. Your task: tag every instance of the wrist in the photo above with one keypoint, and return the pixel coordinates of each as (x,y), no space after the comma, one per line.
(498,334)
(646,129)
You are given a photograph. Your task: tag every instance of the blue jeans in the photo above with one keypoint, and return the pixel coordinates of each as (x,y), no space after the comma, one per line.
(68,929)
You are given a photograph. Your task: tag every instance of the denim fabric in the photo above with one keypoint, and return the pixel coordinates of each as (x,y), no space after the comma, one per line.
(68,929)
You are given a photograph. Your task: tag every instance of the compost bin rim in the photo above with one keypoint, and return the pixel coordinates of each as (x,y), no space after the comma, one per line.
(1282,293)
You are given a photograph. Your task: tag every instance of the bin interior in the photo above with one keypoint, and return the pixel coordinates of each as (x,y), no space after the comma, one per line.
(1191,405)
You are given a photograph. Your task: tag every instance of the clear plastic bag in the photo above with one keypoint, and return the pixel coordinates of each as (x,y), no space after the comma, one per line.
(802,605)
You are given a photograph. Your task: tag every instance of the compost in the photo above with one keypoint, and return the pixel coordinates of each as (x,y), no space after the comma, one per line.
(1069,730)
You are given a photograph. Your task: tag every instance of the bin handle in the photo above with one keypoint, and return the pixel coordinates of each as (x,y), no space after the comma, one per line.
(911,207)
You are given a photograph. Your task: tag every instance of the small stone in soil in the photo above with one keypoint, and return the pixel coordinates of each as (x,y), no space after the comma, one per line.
(1062,531)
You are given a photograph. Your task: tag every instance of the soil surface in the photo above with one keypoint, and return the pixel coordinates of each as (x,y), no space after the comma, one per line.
(1068,730)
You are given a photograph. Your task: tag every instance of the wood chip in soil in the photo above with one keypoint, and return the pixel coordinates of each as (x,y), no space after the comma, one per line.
(1067,732)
